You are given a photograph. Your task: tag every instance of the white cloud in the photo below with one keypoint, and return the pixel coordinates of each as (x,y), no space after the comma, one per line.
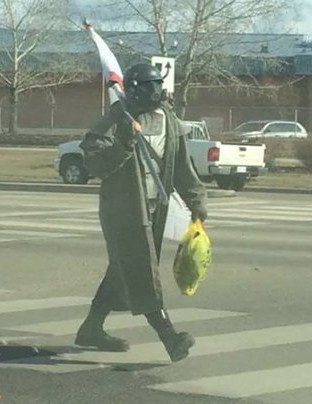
(104,13)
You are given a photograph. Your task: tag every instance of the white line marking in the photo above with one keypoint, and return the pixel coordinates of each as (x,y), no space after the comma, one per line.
(268,211)
(74,219)
(46,226)
(229,223)
(12,306)
(246,384)
(22,234)
(154,352)
(7,240)
(252,339)
(47,212)
(118,321)
(52,365)
(289,208)
(257,216)
(208,345)
(4,340)
(234,203)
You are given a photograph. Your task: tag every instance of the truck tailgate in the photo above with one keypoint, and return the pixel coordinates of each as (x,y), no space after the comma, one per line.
(241,155)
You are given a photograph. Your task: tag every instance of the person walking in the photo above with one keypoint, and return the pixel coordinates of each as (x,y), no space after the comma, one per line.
(131,212)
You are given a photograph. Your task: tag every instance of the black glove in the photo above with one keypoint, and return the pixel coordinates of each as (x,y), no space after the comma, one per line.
(199,213)
(126,125)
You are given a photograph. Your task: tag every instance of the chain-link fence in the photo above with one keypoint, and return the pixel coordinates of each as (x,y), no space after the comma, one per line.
(219,119)
(50,120)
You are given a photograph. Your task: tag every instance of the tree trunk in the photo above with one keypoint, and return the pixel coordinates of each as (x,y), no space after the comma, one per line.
(13,121)
(182,98)
(182,103)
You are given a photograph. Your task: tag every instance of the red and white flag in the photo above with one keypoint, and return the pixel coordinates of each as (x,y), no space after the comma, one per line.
(110,66)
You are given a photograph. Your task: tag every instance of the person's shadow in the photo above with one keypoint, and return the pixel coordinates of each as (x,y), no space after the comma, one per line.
(34,355)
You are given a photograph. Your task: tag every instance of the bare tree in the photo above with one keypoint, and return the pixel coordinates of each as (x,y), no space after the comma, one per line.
(26,63)
(206,25)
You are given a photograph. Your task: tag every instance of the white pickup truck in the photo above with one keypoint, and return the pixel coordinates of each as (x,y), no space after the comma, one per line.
(229,164)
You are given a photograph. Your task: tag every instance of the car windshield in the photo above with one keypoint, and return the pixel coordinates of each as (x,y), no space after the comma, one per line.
(249,127)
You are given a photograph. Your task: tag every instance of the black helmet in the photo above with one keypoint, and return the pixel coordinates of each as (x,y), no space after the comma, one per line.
(141,72)
(143,88)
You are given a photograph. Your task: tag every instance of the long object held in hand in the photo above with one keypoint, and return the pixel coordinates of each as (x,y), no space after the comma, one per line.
(113,75)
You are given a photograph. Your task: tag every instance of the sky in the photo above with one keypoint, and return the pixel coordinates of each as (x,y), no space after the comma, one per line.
(298,20)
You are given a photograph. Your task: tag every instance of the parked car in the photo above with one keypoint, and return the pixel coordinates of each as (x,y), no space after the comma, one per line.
(269,129)
(231,165)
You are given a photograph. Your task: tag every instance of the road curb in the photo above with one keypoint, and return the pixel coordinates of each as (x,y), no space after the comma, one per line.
(82,189)
(94,189)
(275,190)
(48,187)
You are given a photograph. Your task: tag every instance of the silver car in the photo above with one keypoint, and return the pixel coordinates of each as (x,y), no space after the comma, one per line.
(269,129)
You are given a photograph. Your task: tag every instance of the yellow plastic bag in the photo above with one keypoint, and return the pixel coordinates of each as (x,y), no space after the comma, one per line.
(193,258)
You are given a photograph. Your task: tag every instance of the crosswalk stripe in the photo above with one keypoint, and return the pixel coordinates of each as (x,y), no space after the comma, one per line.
(251,339)
(233,203)
(270,211)
(119,321)
(206,345)
(246,384)
(7,240)
(26,234)
(230,223)
(47,212)
(54,365)
(47,225)
(154,352)
(93,225)
(4,340)
(307,208)
(74,219)
(12,306)
(262,215)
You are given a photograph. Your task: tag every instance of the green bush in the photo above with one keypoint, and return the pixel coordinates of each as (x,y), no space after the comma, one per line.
(280,148)
(304,152)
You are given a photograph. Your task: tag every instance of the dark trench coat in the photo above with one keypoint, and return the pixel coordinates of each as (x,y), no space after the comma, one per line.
(133,237)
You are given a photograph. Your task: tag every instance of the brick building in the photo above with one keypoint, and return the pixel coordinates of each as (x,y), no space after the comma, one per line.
(282,65)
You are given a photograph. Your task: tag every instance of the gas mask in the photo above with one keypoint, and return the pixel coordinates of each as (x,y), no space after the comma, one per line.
(143,88)
(146,96)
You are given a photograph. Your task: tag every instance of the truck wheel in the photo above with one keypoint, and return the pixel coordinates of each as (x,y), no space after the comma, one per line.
(224,181)
(238,183)
(73,171)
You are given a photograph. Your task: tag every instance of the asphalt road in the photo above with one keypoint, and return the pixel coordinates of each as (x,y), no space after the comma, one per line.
(251,317)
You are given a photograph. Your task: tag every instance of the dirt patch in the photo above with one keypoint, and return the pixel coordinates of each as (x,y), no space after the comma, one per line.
(283,180)
(28,165)
(37,139)
(38,166)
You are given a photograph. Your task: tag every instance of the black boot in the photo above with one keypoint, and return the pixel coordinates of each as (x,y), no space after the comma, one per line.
(91,334)
(177,344)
